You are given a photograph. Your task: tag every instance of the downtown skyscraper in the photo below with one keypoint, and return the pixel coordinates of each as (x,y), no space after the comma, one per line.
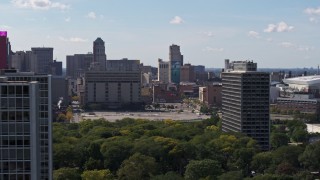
(176,61)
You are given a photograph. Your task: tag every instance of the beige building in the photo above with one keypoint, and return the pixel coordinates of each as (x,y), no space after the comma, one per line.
(112,89)
(211,95)
(163,71)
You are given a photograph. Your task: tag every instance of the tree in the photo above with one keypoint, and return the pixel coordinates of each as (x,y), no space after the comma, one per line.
(279,139)
(205,168)
(300,135)
(287,154)
(97,175)
(310,157)
(168,176)
(271,177)
(114,152)
(286,168)
(61,117)
(69,115)
(92,164)
(137,167)
(261,161)
(66,174)
(243,158)
(231,175)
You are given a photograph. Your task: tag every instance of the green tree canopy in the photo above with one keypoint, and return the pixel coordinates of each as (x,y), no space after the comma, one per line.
(137,167)
(205,168)
(66,174)
(104,174)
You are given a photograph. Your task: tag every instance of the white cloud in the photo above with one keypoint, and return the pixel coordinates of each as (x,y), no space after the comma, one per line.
(177,20)
(39,4)
(287,44)
(68,19)
(72,39)
(211,49)
(254,34)
(92,15)
(312,11)
(280,27)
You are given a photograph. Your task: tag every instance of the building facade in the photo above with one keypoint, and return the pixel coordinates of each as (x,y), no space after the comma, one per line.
(112,89)
(99,55)
(24,61)
(245,103)
(118,86)
(211,95)
(4,50)
(44,59)
(123,65)
(78,64)
(187,73)
(176,61)
(56,68)
(19,137)
(44,114)
(163,71)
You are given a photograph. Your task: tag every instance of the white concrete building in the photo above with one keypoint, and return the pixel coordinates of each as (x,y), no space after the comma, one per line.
(304,83)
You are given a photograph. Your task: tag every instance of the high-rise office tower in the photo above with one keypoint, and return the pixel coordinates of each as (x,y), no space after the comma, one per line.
(34,117)
(99,55)
(56,68)
(163,71)
(44,59)
(176,61)
(245,102)
(3,50)
(23,61)
(19,137)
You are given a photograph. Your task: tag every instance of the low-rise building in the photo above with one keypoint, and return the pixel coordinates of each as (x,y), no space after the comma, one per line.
(211,95)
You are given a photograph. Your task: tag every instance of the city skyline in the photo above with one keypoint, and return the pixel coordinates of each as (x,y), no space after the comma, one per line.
(273,34)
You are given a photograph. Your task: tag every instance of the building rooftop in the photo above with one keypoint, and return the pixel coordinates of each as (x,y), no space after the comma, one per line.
(303,80)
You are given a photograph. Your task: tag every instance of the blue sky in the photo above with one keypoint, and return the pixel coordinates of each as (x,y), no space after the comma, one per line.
(272,33)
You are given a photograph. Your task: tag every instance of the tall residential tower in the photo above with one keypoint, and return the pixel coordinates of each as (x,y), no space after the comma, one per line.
(245,102)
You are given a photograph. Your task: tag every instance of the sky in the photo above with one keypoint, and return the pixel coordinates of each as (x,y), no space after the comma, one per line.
(273,33)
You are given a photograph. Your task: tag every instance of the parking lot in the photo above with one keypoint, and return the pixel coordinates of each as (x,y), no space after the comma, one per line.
(113,116)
